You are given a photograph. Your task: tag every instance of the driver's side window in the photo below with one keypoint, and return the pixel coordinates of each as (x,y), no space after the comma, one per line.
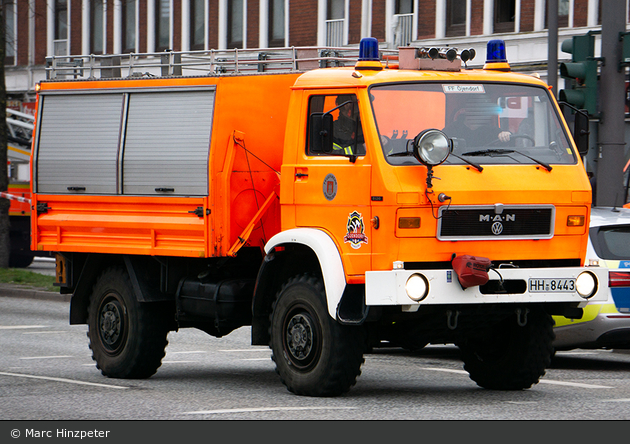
(347,137)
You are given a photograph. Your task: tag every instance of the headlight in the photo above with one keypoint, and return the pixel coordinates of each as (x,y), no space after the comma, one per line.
(586,284)
(431,147)
(417,287)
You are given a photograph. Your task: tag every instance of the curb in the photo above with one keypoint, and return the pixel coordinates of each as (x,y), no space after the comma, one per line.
(16,291)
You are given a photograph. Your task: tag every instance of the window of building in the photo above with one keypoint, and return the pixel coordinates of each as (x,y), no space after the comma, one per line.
(276,23)
(504,12)
(163,25)
(235,24)
(197,24)
(96,29)
(404,7)
(563,13)
(60,43)
(403,22)
(9,24)
(129,25)
(455,17)
(335,22)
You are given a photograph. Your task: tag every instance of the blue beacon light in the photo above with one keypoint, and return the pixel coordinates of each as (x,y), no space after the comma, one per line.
(369,59)
(495,52)
(495,56)
(368,50)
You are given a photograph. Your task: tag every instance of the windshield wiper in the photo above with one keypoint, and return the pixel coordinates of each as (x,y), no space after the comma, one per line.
(408,153)
(501,152)
(472,164)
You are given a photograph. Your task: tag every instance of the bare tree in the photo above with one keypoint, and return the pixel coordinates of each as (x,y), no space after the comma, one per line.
(4,178)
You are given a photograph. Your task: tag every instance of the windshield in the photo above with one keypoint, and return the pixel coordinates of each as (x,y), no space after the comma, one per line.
(489,123)
(611,242)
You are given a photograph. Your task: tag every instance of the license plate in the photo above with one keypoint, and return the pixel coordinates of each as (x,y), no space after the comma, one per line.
(551,285)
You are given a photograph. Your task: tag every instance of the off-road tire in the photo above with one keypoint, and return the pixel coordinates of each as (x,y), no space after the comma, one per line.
(127,337)
(314,354)
(17,260)
(510,357)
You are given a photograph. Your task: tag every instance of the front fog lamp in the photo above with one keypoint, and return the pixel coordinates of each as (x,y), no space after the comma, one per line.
(586,284)
(431,147)
(417,287)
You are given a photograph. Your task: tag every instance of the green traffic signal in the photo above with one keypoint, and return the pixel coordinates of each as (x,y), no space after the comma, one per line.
(582,70)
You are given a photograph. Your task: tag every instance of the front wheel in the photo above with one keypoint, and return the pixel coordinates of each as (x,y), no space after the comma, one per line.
(511,356)
(127,337)
(314,354)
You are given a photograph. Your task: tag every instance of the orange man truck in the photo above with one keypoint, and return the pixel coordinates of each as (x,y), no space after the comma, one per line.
(402,198)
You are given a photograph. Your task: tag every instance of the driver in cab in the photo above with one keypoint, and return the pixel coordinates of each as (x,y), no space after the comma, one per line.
(476,128)
(347,127)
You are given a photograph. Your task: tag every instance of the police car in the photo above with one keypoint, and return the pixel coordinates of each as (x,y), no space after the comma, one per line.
(604,324)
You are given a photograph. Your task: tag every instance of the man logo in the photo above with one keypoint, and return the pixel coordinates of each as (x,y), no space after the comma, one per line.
(497,228)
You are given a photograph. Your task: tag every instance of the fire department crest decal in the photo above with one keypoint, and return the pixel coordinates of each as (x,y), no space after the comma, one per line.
(330,186)
(356,230)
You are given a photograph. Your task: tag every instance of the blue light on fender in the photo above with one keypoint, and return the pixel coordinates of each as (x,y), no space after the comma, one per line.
(495,52)
(368,50)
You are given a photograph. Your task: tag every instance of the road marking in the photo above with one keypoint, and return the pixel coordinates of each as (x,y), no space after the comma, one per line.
(264,409)
(45,357)
(69,381)
(574,384)
(246,350)
(20,327)
(543,381)
(44,332)
(257,359)
(185,352)
(616,400)
(177,362)
(447,370)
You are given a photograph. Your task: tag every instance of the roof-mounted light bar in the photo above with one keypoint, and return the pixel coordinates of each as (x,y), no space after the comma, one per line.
(435,59)
(449,54)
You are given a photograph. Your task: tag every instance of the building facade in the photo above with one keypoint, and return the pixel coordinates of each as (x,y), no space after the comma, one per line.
(36,29)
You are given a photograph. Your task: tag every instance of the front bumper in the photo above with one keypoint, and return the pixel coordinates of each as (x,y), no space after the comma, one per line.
(388,287)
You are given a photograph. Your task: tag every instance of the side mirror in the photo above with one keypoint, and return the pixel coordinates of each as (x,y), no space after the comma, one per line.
(581,130)
(321,133)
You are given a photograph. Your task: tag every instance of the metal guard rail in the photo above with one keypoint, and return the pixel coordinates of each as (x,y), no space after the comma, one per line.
(200,63)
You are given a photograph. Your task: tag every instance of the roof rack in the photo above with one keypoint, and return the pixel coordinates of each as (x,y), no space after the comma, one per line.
(200,63)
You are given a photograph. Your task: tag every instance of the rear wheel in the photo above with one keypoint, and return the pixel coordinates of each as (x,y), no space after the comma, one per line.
(510,356)
(18,260)
(127,337)
(314,354)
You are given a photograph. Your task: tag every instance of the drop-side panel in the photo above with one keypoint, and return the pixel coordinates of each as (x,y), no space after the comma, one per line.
(159,226)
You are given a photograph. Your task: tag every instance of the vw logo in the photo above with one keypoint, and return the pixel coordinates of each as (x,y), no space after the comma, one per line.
(497,228)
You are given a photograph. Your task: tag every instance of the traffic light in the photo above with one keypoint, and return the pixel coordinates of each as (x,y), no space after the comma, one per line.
(582,70)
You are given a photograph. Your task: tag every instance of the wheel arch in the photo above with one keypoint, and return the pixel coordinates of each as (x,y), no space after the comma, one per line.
(289,253)
(89,267)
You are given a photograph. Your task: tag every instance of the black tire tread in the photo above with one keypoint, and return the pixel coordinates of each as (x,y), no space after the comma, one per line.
(146,349)
(348,343)
(523,365)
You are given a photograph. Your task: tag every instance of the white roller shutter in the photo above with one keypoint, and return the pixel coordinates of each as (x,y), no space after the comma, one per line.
(167,142)
(77,147)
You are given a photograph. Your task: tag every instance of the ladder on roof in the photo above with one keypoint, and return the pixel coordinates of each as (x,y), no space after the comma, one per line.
(19,128)
(200,63)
